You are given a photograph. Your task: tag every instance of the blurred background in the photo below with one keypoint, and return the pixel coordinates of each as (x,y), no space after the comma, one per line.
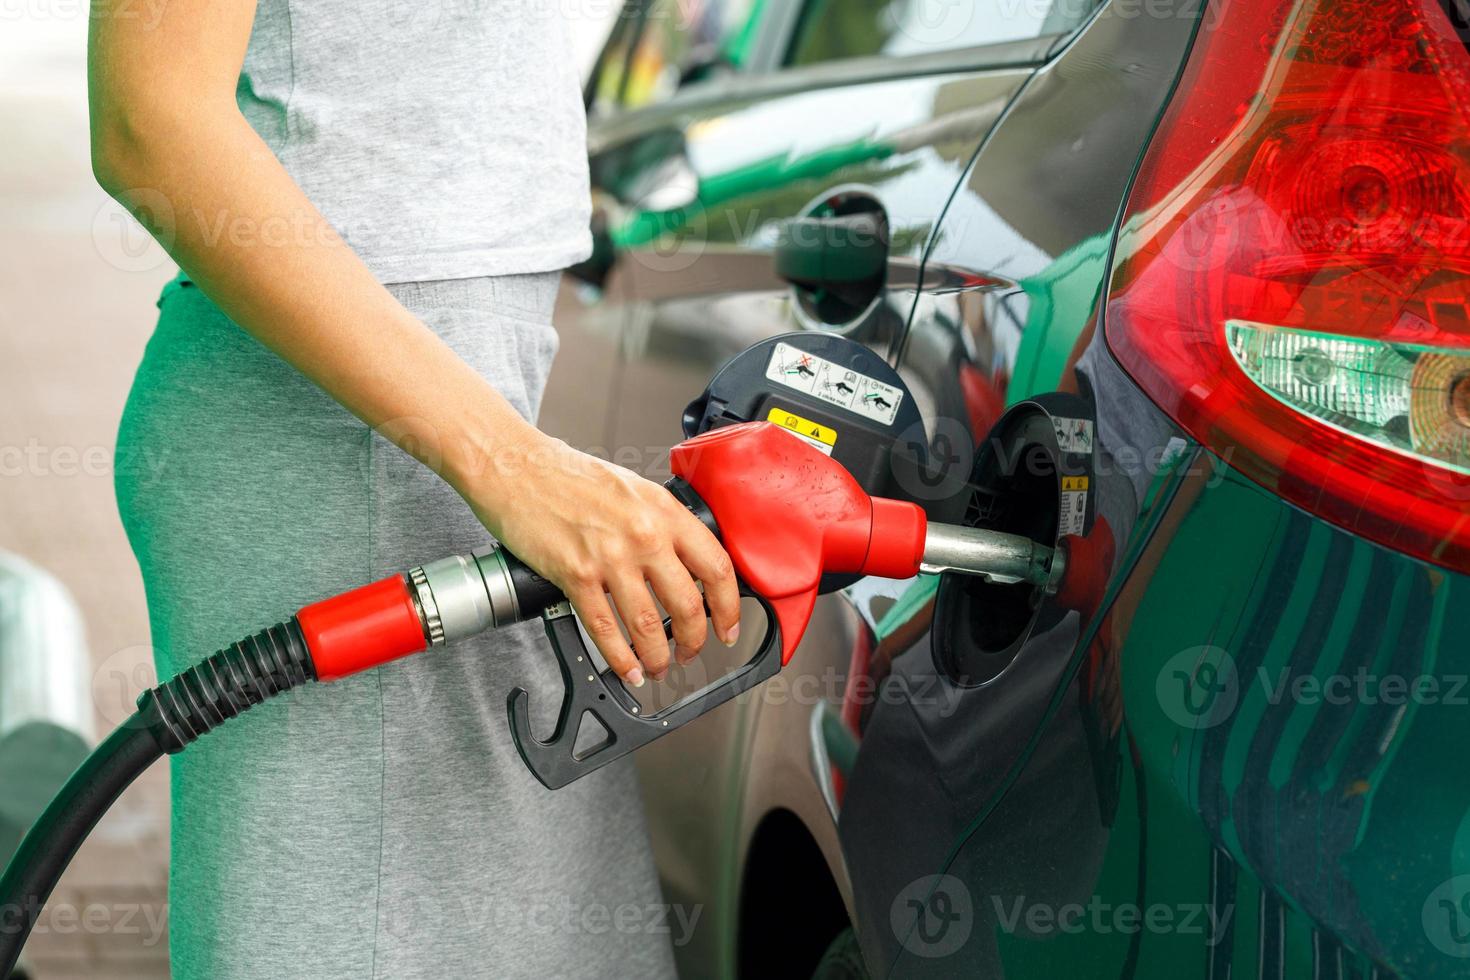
(78,280)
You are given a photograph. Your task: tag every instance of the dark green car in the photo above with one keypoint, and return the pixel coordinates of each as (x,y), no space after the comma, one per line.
(1219,255)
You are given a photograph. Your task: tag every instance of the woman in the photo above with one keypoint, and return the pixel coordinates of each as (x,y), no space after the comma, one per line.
(369,202)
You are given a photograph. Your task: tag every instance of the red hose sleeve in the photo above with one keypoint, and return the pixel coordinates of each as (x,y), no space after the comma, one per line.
(362,629)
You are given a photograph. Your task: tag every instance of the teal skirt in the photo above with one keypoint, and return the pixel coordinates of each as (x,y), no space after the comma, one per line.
(381,826)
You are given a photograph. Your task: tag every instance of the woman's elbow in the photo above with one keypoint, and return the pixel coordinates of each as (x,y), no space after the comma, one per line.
(130,144)
(141,146)
(118,155)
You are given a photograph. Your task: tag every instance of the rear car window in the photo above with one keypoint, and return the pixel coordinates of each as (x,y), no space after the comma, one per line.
(830,30)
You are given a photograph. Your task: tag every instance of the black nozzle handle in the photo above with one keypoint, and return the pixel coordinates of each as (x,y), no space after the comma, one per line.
(556,761)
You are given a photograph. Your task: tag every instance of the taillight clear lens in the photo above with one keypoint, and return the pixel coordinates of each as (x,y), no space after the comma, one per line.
(1412,399)
(1292,281)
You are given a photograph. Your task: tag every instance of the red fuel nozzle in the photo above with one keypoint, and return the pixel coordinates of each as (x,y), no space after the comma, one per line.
(789,514)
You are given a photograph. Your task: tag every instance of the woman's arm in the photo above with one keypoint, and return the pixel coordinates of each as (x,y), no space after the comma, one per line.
(170,144)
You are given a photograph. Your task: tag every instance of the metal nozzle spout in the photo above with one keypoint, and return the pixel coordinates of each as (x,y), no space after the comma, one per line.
(993,555)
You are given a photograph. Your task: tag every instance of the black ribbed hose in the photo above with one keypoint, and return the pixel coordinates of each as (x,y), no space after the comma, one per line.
(53,840)
(169,717)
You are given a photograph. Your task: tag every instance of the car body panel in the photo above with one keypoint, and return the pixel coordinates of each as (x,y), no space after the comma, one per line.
(1278,837)
(1274,835)
(1280,853)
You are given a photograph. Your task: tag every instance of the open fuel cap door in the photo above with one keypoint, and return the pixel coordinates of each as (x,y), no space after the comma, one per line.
(1034,475)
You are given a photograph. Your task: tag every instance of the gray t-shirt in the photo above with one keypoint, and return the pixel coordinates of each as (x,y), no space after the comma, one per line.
(443,139)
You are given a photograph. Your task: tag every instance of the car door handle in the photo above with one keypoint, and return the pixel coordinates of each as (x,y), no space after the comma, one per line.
(839,253)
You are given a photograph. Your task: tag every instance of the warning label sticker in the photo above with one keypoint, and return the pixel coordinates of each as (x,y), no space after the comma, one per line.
(834,384)
(1074,504)
(1074,511)
(823,437)
(1073,435)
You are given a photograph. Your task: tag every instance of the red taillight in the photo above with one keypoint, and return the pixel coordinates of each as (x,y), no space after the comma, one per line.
(1292,281)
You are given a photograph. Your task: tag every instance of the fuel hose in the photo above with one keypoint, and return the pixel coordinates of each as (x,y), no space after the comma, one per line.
(357,630)
(429,606)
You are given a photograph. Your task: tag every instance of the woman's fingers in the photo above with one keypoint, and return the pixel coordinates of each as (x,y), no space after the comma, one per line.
(681,599)
(645,625)
(608,537)
(601,625)
(707,561)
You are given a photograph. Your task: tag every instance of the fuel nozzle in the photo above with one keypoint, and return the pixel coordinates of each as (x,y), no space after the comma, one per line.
(992,555)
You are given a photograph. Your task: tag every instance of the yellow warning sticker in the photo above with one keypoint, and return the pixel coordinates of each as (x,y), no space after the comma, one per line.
(823,437)
(1074,483)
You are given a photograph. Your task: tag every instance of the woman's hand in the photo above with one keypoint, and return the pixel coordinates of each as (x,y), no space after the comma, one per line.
(599,531)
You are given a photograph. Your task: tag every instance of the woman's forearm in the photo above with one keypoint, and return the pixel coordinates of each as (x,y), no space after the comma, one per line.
(230,215)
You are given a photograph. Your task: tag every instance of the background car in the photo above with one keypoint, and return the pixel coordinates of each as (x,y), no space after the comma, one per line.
(1224,244)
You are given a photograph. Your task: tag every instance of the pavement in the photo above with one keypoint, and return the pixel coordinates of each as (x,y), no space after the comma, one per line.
(76,308)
